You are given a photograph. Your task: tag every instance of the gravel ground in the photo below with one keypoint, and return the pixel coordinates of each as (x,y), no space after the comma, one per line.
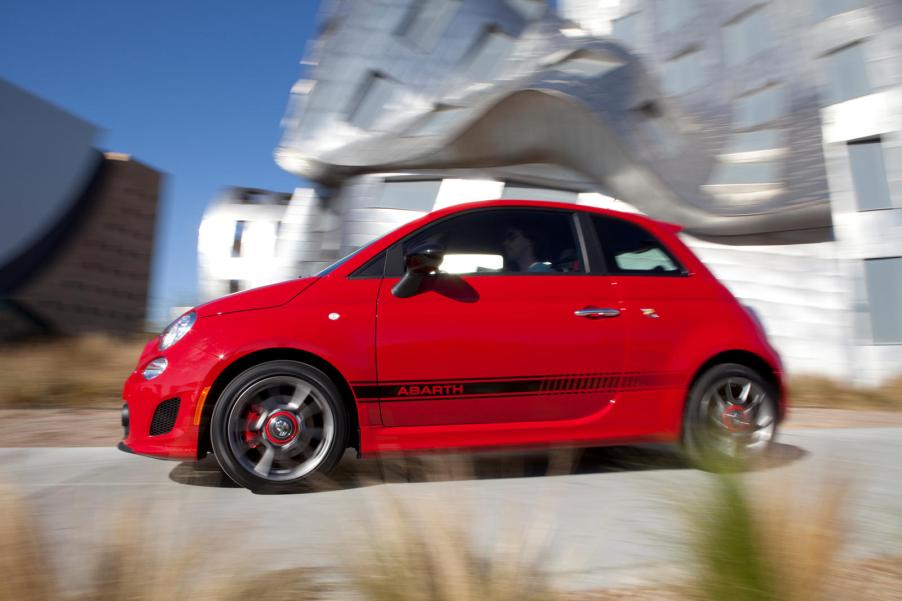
(100,427)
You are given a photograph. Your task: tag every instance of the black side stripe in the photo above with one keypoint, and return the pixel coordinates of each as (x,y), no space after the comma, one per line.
(417,390)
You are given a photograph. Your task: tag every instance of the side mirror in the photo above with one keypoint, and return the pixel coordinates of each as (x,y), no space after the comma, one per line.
(419,261)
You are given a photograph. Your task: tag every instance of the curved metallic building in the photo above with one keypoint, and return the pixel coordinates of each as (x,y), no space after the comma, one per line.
(747,122)
(497,86)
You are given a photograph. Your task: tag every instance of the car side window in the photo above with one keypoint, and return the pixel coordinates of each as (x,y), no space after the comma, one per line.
(506,242)
(631,249)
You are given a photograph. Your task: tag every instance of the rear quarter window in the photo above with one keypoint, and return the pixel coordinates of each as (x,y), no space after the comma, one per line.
(631,249)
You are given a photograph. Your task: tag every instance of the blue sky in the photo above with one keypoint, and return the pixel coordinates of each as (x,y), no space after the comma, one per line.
(195,89)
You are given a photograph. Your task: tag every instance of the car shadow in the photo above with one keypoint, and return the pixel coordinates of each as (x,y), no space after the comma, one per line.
(353,473)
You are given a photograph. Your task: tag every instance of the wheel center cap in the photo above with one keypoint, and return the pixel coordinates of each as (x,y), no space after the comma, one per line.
(282,427)
(736,418)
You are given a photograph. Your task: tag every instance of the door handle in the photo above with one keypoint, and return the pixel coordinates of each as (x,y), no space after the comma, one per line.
(595,313)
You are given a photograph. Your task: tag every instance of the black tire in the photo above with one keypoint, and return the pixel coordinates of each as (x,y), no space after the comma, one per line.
(721,429)
(258,406)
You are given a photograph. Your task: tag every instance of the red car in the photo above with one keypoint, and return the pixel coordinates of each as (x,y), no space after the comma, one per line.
(485,325)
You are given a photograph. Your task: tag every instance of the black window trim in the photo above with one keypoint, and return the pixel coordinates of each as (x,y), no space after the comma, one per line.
(590,245)
(395,259)
(381,256)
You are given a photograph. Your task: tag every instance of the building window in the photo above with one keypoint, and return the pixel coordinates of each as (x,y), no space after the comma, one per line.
(684,73)
(375,99)
(869,174)
(824,9)
(487,54)
(746,38)
(627,29)
(411,195)
(759,108)
(529,9)
(278,235)
(236,241)
(847,76)
(588,63)
(234,286)
(884,286)
(755,146)
(426,22)
(674,13)
(745,173)
(526,192)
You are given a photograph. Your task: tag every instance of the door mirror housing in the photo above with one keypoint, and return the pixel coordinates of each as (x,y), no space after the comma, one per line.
(419,262)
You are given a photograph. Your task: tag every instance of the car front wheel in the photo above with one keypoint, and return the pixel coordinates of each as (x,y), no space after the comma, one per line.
(277,424)
(731,414)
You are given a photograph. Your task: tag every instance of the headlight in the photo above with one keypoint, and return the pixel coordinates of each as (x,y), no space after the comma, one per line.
(176,330)
(155,368)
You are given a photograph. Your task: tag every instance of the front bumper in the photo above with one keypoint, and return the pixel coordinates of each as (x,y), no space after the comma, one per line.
(184,379)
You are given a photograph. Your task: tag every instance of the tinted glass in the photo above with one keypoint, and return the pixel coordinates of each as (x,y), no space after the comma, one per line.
(847,76)
(884,285)
(630,249)
(236,241)
(505,242)
(758,108)
(869,175)
(746,173)
(427,20)
(372,269)
(487,55)
(684,74)
(754,141)
(515,192)
(409,195)
(673,13)
(746,38)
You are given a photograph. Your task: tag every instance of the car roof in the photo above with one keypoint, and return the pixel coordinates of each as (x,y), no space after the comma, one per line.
(552,204)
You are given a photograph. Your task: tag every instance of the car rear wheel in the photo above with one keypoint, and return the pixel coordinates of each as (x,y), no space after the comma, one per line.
(731,414)
(278,424)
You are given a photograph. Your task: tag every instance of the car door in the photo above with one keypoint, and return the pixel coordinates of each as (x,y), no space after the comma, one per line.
(662,305)
(512,328)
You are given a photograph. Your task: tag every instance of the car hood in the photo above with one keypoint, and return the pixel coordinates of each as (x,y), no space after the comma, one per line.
(265,297)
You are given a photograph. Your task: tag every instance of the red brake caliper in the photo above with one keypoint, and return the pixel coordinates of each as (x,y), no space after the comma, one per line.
(250,437)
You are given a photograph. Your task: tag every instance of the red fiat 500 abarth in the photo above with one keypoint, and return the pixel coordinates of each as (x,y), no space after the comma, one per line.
(486,325)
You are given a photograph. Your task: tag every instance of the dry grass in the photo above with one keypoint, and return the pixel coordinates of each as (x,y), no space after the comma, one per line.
(417,554)
(766,544)
(776,545)
(816,391)
(80,372)
(134,563)
(23,561)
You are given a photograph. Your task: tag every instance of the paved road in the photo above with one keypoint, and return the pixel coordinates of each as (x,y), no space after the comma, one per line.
(615,521)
